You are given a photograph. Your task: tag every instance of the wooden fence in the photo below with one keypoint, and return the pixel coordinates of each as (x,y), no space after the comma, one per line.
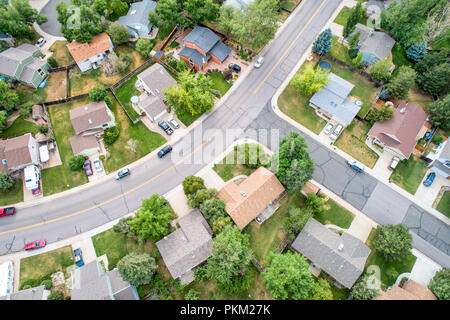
(59,69)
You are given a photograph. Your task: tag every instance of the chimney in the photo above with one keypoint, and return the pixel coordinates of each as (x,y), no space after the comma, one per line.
(243,193)
(341,247)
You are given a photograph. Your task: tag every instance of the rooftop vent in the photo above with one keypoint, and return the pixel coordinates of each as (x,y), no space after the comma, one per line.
(90,121)
(403,109)
(4,161)
(243,193)
(341,247)
(133,12)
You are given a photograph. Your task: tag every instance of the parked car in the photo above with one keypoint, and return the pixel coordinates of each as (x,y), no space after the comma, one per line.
(355,165)
(235,67)
(173,123)
(164,151)
(163,125)
(97,165)
(35,244)
(78,257)
(36,192)
(7,211)
(122,173)
(394,162)
(40,42)
(328,127)
(336,132)
(429,180)
(259,62)
(87,167)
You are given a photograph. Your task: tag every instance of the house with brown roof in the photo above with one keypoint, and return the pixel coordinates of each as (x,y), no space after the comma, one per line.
(187,247)
(18,153)
(411,290)
(254,198)
(90,55)
(89,122)
(399,135)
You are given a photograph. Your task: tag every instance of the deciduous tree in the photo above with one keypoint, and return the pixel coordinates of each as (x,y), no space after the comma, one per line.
(433,72)
(311,80)
(440,112)
(321,290)
(191,184)
(118,33)
(364,290)
(399,86)
(393,242)
(137,269)
(144,46)
(167,14)
(295,221)
(201,10)
(440,284)
(97,94)
(6,181)
(8,98)
(381,70)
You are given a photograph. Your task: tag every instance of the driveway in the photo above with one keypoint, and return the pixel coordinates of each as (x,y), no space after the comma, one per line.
(427,195)
(52,26)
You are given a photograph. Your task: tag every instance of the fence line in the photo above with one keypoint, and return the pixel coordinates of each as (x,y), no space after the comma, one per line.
(68,67)
(174,31)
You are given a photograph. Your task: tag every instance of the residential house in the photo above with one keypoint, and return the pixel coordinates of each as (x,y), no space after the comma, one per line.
(154,81)
(24,64)
(239,4)
(400,134)
(37,293)
(374,45)
(441,160)
(18,153)
(333,101)
(202,45)
(411,290)
(90,282)
(342,257)
(91,54)
(187,247)
(89,122)
(136,19)
(254,198)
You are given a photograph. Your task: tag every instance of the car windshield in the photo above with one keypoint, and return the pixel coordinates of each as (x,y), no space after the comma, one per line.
(37,243)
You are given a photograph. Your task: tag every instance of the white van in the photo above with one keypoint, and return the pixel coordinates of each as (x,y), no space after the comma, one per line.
(6,278)
(31,174)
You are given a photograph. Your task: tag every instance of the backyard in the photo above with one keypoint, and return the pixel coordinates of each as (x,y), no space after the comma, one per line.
(444,204)
(35,269)
(12,195)
(339,51)
(399,57)
(60,53)
(344,14)
(18,128)
(352,141)
(31,95)
(409,173)
(124,94)
(335,214)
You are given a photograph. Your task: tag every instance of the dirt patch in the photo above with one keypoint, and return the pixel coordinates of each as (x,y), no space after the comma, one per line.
(56,86)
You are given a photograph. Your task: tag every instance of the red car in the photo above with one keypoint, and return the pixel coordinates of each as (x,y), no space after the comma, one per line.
(35,244)
(7,211)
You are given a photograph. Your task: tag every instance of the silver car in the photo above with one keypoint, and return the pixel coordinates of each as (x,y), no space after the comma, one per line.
(97,165)
(40,42)
(328,127)
(259,62)
(173,123)
(336,132)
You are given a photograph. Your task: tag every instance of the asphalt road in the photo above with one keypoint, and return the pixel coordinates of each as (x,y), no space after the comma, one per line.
(52,26)
(246,113)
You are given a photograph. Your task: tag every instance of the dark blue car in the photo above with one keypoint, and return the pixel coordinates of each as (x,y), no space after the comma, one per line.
(429,179)
(78,257)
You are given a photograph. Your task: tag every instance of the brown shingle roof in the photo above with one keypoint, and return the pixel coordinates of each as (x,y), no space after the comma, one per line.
(81,143)
(82,51)
(37,111)
(403,126)
(16,152)
(89,116)
(411,291)
(260,189)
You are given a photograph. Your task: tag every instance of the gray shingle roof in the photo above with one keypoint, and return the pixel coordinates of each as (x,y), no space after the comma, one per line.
(220,51)
(240,4)
(375,42)
(321,246)
(188,246)
(138,14)
(332,99)
(11,58)
(195,56)
(157,79)
(37,293)
(30,69)
(153,105)
(203,37)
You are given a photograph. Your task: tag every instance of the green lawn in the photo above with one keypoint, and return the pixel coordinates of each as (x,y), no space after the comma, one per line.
(338,294)
(389,270)
(444,44)
(343,16)
(61,178)
(444,204)
(352,141)
(147,140)
(409,173)
(124,94)
(187,118)
(61,53)
(18,128)
(13,195)
(335,214)
(35,269)
(219,82)
(30,95)
(339,51)
(399,57)
(288,4)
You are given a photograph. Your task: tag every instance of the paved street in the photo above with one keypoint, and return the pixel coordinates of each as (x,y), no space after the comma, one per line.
(52,26)
(249,113)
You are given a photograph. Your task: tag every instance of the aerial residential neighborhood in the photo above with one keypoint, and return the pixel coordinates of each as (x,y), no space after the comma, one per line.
(224,150)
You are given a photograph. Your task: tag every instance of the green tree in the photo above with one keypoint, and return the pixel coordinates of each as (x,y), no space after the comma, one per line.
(295,221)
(417,51)
(381,70)
(153,219)
(8,99)
(99,6)
(287,276)
(314,203)
(393,242)
(357,12)
(322,44)
(3,119)
(201,10)
(144,46)
(311,80)
(196,199)
(118,33)
(48,284)
(433,72)
(354,40)
(321,290)
(292,157)
(6,181)
(399,86)
(167,14)
(230,258)
(97,94)
(357,61)
(55,295)
(124,227)
(25,111)
(226,20)
(191,184)
(192,294)
(363,290)
(119,8)
(76,162)
(214,211)
(383,113)
(440,284)
(440,112)
(137,269)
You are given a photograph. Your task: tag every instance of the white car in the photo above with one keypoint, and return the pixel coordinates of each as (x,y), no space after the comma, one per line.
(173,123)
(336,132)
(97,165)
(40,42)
(328,127)
(394,163)
(259,62)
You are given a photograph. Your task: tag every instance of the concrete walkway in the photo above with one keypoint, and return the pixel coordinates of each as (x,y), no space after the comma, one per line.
(424,269)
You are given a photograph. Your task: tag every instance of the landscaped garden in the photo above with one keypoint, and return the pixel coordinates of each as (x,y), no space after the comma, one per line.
(18,128)
(35,269)
(352,141)
(12,195)
(444,204)
(409,173)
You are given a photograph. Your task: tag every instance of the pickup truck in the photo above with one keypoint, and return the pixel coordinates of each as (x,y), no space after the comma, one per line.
(163,125)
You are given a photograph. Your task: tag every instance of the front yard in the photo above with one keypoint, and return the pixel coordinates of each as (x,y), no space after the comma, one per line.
(35,269)
(335,214)
(444,204)
(219,82)
(344,14)
(409,173)
(352,141)
(12,195)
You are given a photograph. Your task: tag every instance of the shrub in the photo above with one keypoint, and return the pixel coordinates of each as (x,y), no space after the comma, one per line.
(144,46)
(52,62)
(25,111)
(156,254)
(102,157)
(48,284)
(111,135)
(384,94)
(417,51)
(97,94)
(438,139)
(25,287)
(440,284)
(108,101)
(352,53)
(192,294)
(55,295)
(67,298)
(200,274)
(76,162)
(6,181)
(196,199)
(43,128)
(191,184)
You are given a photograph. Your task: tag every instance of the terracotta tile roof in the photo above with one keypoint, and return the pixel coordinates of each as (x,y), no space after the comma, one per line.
(89,116)
(411,291)
(82,51)
(248,199)
(403,126)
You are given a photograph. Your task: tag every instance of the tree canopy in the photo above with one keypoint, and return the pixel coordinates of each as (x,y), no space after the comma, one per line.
(433,72)
(191,184)
(440,112)
(322,44)
(214,211)
(118,33)
(357,12)
(362,290)
(321,290)
(399,85)
(8,99)
(440,284)
(167,14)
(393,242)
(295,221)
(310,80)
(201,10)
(381,70)
(417,51)
(137,269)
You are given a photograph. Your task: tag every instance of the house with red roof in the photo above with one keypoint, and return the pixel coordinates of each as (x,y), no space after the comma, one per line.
(399,135)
